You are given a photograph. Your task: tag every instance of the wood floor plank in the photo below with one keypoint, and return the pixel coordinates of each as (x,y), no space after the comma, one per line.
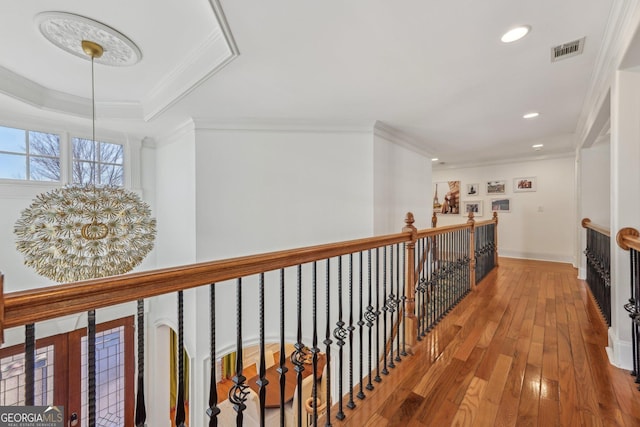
(526,348)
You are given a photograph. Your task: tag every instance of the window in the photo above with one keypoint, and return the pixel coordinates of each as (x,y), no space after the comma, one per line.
(96,162)
(61,373)
(29,155)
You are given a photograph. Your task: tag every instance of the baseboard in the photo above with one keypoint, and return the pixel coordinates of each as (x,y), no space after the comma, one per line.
(620,352)
(536,256)
(582,273)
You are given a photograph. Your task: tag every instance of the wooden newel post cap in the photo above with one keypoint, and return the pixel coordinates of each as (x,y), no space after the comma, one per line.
(434,220)
(409,227)
(495,216)
(584,222)
(471,220)
(409,219)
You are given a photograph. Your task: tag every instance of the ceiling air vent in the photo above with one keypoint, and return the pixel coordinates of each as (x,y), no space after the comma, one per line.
(567,50)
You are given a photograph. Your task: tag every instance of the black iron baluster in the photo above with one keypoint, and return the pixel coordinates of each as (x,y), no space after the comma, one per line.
(297,358)
(327,342)
(315,350)
(340,333)
(370,317)
(262,381)
(377,378)
(141,410)
(213,409)
(282,369)
(239,391)
(29,364)
(404,301)
(399,300)
(91,368)
(351,404)
(180,409)
(630,307)
(391,305)
(385,309)
(361,329)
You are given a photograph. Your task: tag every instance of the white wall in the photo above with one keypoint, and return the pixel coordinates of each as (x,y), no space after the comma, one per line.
(595,177)
(541,224)
(402,181)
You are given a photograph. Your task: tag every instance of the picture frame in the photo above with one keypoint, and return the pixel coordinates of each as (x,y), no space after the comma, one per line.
(525,184)
(446,198)
(474,206)
(501,205)
(496,187)
(473,190)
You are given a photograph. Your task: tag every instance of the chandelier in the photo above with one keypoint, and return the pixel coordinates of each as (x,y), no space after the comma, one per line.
(80,232)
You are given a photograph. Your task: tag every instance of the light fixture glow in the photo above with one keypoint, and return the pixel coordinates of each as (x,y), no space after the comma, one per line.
(537,146)
(531,115)
(435,159)
(515,34)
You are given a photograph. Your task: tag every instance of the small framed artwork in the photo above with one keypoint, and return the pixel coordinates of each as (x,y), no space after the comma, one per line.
(501,205)
(524,184)
(473,189)
(474,206)
(446,197)
(496,187)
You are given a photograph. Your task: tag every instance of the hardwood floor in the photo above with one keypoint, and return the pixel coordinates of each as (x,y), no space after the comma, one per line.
(526,349)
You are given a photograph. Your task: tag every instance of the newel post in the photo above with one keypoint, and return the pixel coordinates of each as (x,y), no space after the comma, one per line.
(434,220)
(472,251)
(410,320)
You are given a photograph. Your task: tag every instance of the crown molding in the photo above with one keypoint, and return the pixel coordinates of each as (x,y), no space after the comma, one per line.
(211,56)
(512,160)
(277,125)
(36,95)
(202,62)
(622,24)
(393,135)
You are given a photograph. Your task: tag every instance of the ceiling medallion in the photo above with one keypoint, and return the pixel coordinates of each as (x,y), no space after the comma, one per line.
(67,30)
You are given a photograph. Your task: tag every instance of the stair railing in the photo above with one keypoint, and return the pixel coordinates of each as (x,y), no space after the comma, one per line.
(374,297)
(598,257)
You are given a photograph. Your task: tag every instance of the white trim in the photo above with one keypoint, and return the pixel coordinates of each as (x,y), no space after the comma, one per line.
(621,27)
(522,159)
(568,259)
(582,273)
(282,126)
(620,352)
(393,135)
(212,55)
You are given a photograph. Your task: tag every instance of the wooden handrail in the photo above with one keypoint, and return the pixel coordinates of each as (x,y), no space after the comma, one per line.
(586,223)
(627,238)
(36,305)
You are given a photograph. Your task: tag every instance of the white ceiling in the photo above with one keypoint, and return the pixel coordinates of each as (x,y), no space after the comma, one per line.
(435,71)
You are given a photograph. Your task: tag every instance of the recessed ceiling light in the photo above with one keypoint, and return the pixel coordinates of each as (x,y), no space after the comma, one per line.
(537,146)
(530,115)
(515,34)
(435,159)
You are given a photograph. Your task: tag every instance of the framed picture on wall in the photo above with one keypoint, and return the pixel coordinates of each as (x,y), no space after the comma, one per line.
(446,198)
(496,187)
(501,205)
(473,189)
(524,184)
(474,206)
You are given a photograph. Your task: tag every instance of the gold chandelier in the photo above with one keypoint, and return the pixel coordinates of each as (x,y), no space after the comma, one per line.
(80,232)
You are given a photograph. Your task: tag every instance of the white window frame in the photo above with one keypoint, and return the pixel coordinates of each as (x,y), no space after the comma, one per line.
(18,188)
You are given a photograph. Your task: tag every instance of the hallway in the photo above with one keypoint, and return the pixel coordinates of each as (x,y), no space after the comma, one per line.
(527,349)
